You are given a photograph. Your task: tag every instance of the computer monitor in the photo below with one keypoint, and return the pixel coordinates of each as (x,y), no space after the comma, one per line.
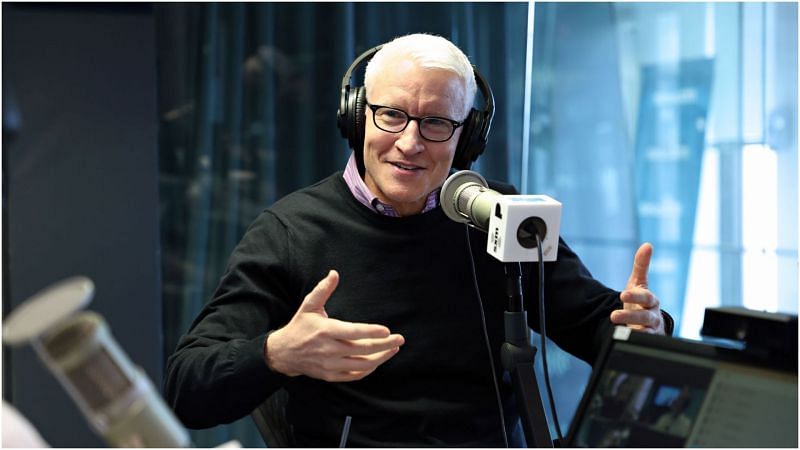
(657,391)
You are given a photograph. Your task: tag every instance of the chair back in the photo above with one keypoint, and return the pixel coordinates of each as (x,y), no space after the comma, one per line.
(270,419)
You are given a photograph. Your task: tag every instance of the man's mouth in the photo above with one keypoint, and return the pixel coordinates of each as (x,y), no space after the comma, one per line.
(405,166)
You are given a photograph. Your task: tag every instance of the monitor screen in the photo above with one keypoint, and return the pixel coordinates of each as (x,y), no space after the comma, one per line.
(656,391)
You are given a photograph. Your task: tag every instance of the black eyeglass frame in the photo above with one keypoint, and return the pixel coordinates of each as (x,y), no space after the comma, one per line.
(419,120)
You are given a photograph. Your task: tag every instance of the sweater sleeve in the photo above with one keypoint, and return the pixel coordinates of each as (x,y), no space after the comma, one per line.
(577,306)
(218,373)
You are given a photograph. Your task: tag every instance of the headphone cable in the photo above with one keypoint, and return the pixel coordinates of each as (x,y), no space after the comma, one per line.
(486,338)
(542,335)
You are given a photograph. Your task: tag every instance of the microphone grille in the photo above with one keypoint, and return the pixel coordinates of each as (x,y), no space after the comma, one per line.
(450,196)
(465,196)
(79,348)
(99,380)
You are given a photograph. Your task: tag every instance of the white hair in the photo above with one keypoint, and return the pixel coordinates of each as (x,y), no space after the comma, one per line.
(429,52)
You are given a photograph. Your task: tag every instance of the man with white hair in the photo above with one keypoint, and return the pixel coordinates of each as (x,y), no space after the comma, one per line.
(359,297)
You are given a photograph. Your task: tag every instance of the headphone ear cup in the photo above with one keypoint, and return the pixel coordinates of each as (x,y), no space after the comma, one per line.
(359,116)
(357,124)
(472,141)
(351,120)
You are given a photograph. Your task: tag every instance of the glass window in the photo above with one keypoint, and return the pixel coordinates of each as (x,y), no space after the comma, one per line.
(673,123)
(662,122)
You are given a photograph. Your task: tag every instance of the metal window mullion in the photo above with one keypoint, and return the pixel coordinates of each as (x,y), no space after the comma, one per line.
(526,106)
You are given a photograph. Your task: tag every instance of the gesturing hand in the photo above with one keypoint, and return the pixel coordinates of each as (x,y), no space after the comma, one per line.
(641,310)
(317,346)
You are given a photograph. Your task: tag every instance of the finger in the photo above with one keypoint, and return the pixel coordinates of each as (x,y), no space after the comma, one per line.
(360,363)
(376,359)
(638,297)
(371,346)
(360,347)
(316,299)
(641,264)
(357,367)
(636,318)
(339,329)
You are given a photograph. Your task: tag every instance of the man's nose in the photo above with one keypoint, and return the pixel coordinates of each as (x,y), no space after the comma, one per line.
(410,141)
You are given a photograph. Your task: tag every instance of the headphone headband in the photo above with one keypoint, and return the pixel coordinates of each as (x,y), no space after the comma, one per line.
(347,75)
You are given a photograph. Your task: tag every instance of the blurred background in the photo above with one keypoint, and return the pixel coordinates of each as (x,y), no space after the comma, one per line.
(140,140)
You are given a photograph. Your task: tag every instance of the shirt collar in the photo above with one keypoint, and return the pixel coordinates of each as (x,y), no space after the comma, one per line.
(366,197)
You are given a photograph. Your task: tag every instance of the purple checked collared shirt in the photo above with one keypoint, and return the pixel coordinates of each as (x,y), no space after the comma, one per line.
(362,193)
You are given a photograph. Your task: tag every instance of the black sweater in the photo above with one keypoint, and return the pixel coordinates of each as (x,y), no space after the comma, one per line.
(411,274)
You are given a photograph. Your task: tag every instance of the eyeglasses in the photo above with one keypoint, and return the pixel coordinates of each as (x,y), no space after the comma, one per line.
(431,128)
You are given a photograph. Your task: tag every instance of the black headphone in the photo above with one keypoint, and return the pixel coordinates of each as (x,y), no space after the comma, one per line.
(351,116)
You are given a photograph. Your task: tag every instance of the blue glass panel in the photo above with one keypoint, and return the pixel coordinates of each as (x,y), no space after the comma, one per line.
(668,155)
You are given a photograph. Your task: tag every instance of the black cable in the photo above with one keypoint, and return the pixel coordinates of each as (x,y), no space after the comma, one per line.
(486,338)
(542,334)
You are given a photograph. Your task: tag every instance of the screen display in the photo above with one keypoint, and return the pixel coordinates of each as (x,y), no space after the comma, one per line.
(651,397)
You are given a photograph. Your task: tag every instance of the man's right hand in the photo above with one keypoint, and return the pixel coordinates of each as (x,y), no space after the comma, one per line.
(317,346)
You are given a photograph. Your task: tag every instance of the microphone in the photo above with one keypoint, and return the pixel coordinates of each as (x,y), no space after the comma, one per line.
(116,397)
(511,221)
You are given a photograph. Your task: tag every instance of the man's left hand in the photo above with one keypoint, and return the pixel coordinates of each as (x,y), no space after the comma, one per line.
(641,310)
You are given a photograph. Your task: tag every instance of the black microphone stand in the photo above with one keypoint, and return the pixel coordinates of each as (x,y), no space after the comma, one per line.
(517,354)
